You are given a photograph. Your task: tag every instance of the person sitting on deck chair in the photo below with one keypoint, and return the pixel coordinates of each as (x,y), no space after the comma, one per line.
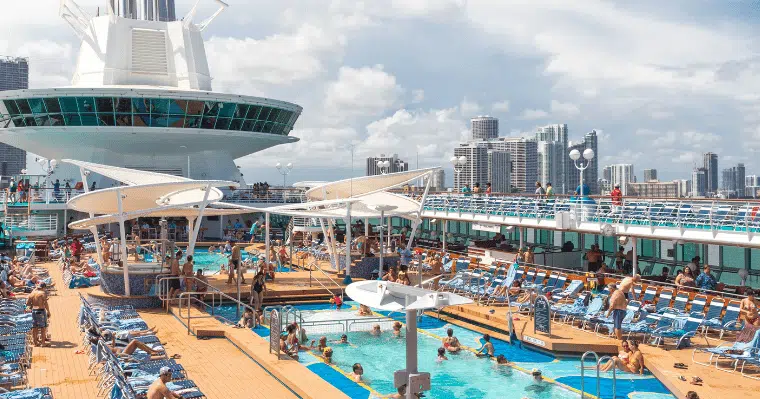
(131,347)
(158,389)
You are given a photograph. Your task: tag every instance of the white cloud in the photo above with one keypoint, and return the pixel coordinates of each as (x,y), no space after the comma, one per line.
(564,110)
(361,92)
(418,95)
(501,106)
(469,109)
(532,114)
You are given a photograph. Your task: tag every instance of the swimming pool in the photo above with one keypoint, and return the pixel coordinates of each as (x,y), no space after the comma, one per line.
(463,375)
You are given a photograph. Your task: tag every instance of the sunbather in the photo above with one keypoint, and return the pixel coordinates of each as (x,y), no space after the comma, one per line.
(635,363)
(131,347)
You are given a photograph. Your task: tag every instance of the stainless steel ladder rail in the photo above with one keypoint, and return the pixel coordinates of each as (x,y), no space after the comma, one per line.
(614,376)
(583,372)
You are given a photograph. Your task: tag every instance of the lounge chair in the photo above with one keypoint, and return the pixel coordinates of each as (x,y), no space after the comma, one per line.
(681,331)
(724,351)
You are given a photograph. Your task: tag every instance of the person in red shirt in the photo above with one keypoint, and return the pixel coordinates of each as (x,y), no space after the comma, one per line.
(76,249)
(617,196)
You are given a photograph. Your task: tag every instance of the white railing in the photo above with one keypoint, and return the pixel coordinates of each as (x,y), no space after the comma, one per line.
(270,196)
(30,223)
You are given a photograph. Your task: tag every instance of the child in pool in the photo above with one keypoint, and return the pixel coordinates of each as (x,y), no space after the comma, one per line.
(441,355)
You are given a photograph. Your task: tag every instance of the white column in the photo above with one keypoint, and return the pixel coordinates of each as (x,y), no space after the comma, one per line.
(266,238)
(347,279)
(194,228)
(521,230)
(635,269)
(93,229)
(366,227)
(221,227)
(445,223)
(190,238)
(415,224)
(380,241)
(122,232)
(324,234)
(333,244)
(389,231)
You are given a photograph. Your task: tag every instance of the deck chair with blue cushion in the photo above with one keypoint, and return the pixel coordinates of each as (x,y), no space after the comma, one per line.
(725,351)
(681,331)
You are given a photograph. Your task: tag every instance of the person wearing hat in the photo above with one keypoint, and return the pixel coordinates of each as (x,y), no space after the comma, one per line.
(158,389)
(538,384)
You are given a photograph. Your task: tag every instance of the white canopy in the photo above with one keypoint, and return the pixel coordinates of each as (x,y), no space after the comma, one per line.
(148,196)
(131,177)
(156,212)
(398,297)
(365,185)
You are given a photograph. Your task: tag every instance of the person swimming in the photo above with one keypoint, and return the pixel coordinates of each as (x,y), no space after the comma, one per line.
(376,330)
(397,329)
(343,339)
(358,371)
(538,384)
(441,355)
(364,310)
(450,342)
(487,349)
(501,360)
(322,344)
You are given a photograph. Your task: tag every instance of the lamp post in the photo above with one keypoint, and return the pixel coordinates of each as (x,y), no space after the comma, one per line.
(383,166)
(588,155)
(48,165)
(458,163)
(284,171)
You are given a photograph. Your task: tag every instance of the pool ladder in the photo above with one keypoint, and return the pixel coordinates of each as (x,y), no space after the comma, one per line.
(598,362)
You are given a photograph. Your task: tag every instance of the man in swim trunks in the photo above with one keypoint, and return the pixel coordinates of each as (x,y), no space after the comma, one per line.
(487,349)
(618,304)
(451,343)
(626,286)
(158,389)
(38,301)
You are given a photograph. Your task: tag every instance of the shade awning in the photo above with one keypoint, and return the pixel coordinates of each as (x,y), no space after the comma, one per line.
(127,176)
(398,297)
(365,185)
(147,196)
(157,212)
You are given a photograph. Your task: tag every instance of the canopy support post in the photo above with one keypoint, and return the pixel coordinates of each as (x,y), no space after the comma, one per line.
(635,269)
(347,279)
(93,229)
(122,232)
(445,233)
(380,240)
(193,232)
(266,238)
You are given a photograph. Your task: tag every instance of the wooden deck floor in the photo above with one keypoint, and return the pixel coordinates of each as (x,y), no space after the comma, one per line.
(218,368)
(57,366)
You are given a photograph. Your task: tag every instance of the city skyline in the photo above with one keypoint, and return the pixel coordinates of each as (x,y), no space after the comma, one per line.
(410,95)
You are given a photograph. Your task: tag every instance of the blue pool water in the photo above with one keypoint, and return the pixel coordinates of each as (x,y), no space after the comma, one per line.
(463,375)
(211,262)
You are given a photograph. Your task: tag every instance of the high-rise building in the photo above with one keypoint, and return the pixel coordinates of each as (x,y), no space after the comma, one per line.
(475,170)
(484,128)
(500,171)
(591,174)
(552,159)
(14,75)
(751,180)
(395,165)
(699,182)
(551,155)
(622,174)
(711,171)
(439,180)
(650,174)
(524,156)
(741,173)
(684,187)
(607,173)
(732,184)
(653,189)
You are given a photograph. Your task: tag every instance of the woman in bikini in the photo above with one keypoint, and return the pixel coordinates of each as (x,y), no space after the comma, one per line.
(748,306)
(635,363)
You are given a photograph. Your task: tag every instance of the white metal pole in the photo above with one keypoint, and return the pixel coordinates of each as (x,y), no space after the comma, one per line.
(93,229)
(389,231)
(445,227)
(221,227)
(411,347)
(380,274)
(123,233)
(635,256)
(366,227)
(266,238)
(195,228)
(415,223)
(347,279)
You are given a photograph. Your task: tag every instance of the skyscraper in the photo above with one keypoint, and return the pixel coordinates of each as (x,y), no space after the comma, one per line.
(591,175)
(699,182)
(439,180)
(552,159)
(476,168)
(524,157)
(395,165)
(14,75)
(622,174)
(741,173)
(484,128)
(500,171)
(711,171)
(732,184)
(650,174)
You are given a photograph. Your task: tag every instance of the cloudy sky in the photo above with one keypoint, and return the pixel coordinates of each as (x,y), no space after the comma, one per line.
(663,81)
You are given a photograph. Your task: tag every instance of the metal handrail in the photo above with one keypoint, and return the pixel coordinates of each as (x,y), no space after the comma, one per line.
(315,265)
(614,374)
(583,369)
(164,279)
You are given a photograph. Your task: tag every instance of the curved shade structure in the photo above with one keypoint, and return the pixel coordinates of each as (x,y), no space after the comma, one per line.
(147,196)
(156,212)
(398,297)
(364,185)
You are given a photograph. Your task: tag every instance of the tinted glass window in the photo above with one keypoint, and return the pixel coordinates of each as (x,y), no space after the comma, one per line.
(104,104)
(69,104)
(23,106)
(52,105)
(86,104)
(37,106)
(11,106)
